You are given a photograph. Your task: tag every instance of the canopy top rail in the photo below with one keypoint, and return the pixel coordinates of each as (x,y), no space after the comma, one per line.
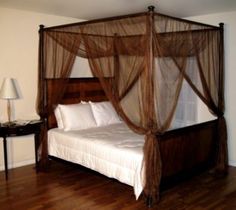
(150,10)
(130,36)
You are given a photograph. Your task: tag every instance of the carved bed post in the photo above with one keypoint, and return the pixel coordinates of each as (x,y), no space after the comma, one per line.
(221,72)
(41,76)
(116,66)
(222,156)
(151,110)
(42,102)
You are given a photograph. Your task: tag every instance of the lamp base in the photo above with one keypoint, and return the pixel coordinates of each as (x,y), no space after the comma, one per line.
(9,110)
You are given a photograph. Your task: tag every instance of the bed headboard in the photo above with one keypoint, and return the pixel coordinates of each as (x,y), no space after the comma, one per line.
(77,89)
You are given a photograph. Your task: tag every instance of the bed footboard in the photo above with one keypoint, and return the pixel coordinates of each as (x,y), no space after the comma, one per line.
(187,151)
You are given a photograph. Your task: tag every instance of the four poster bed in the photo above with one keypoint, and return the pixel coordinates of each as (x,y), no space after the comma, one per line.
(139,63)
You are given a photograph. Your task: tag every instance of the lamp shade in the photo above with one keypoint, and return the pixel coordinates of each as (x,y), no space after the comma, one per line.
(8,89)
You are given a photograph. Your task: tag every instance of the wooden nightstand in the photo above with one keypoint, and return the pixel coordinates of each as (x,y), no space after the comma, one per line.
(32,127)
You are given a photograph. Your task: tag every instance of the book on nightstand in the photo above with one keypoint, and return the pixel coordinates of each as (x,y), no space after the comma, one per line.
(20,122)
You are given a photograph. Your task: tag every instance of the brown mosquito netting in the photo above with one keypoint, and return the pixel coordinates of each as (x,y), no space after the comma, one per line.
(142,60)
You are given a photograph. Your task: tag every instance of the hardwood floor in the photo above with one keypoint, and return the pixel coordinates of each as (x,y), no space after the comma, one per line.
(70,187)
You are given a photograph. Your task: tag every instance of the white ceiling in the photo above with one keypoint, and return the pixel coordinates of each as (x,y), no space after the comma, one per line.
(93,9)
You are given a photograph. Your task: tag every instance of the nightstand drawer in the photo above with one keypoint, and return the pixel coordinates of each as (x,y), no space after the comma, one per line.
(20,130)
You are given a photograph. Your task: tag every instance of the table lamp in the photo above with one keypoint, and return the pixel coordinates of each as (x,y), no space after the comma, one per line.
(8,91)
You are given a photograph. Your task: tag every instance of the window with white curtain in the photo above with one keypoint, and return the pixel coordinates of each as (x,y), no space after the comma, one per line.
(186,110)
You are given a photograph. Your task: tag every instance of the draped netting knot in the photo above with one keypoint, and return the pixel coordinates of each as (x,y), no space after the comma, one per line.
(152,164)
(150,133)
(222,151)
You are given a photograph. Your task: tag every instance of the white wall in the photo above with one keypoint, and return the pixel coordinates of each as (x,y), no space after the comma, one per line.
(229,19)
(19,59)
(81,68)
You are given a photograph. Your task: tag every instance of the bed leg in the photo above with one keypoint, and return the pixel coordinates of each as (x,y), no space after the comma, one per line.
(149,201)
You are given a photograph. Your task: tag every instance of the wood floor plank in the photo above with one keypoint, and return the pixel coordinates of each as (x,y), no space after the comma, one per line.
(71,187)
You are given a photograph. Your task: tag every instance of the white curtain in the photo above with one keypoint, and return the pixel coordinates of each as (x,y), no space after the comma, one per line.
(187,108)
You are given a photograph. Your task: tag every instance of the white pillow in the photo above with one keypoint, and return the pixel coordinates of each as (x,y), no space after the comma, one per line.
(77,116)
(57,114)
(104,113)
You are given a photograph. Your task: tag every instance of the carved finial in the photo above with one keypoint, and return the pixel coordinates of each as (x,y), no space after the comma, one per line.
(151,8)
(41,27)
(221,25)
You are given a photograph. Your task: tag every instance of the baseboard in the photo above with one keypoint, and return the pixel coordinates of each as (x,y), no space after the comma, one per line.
(18,164)
(232,163)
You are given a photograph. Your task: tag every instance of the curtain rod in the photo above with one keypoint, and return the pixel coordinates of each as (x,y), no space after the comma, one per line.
(135,35)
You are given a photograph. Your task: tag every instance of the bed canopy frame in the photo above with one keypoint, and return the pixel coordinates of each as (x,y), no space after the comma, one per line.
(141,60)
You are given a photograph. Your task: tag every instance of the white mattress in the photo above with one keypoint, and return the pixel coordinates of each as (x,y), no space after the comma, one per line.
(113,150)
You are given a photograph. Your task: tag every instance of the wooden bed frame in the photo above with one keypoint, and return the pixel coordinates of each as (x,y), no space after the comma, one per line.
(185,152)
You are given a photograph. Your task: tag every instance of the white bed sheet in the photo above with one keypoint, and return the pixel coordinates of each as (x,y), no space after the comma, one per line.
(113,150)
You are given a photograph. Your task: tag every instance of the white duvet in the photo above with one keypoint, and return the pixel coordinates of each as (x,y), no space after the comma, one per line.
(113,150)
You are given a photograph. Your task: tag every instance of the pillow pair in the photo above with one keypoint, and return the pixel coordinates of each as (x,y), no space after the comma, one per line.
(85,115)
